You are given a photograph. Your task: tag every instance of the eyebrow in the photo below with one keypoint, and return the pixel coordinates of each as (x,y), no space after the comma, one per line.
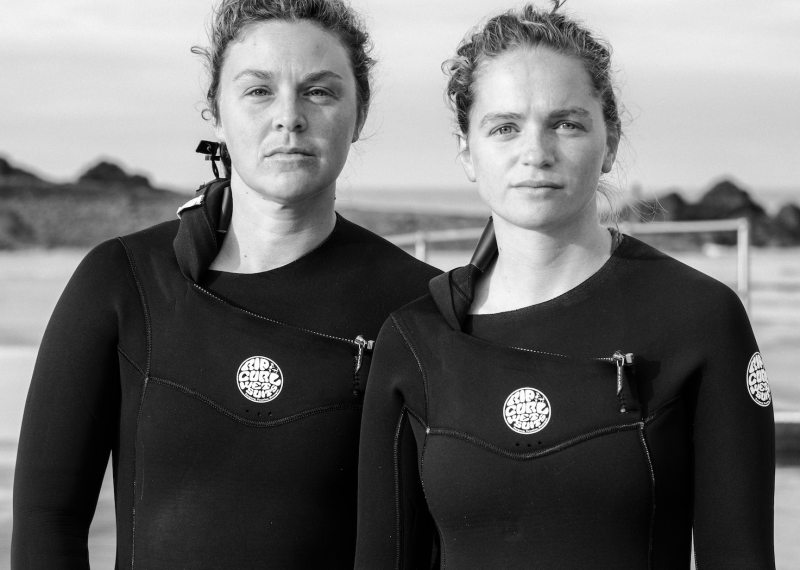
(491,117)
(268,75)
(557,114)
(569,112)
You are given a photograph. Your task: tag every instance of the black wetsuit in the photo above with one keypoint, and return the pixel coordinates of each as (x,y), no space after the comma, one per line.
(231,403)
(529,439)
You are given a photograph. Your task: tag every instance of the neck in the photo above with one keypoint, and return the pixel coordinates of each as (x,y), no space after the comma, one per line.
(264,234)
(535,265)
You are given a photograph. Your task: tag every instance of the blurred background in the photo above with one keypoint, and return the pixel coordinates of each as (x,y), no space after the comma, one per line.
(100,114)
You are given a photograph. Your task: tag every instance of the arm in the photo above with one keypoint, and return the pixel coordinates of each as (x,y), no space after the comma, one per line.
(69,424)
(395,529)
(734,450)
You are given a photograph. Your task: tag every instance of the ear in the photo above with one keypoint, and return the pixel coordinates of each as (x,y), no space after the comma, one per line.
(612,144)
(465,157)
(219,131)
(362,118)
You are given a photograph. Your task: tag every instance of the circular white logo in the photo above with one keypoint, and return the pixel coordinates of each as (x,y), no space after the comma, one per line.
(757,382)
(259,379)
(526,410)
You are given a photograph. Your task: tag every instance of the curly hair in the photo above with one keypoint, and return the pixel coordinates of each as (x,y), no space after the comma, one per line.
(335,16)
(530,27)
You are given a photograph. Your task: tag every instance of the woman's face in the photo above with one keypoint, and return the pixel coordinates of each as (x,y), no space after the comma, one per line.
(537,141)
(287,110)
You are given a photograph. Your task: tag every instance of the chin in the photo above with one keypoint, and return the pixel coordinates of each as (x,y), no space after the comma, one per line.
(290,189)
(536,218)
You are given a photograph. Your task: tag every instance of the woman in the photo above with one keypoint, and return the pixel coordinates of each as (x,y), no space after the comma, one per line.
(225,376)
(584,402)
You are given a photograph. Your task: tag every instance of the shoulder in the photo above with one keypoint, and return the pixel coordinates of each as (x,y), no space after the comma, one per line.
(394,255)
(383,261)
(656,269)
(105,262)
(101,283)
(155,238)
(418,321)
(647,273)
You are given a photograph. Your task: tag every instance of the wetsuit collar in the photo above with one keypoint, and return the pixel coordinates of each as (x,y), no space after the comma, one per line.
(203,219)
(454,291)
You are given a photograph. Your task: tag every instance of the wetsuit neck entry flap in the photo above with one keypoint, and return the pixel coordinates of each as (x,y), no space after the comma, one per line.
(454,291)
(486,249)
(198,241)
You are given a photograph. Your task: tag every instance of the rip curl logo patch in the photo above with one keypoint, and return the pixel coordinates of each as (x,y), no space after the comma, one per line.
(526,410)
(757,382)
(259,379)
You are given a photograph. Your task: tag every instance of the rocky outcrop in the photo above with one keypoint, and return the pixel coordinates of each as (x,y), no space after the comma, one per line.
(787,222)
(724,200)
(14,231)
(108,173)
(103,203)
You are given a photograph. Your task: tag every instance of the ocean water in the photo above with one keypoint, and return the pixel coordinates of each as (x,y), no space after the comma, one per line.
(465,201)
(435,201)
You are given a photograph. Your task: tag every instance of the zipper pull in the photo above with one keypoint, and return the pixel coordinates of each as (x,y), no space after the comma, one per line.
(363,344)
(622,360)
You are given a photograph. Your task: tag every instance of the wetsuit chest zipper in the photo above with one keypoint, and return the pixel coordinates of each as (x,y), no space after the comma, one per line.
(624,361)
(362,345)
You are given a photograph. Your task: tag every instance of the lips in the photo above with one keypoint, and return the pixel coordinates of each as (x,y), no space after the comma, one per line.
(287,151)
(537,184)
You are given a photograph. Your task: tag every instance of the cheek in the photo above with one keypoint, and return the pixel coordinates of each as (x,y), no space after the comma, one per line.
(337,131)
(586,162)
(236,126)
(491,166)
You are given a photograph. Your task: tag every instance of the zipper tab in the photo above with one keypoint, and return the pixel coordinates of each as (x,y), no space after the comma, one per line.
(622,360)
(363,344)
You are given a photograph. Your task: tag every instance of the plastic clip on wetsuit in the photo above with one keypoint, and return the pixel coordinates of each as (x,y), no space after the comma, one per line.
(528,439)
(231,403)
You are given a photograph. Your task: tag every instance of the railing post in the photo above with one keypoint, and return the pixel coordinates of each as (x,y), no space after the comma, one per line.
(743,261)
(421,247)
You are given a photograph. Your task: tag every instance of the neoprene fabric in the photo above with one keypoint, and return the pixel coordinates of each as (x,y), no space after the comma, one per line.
(504,438)
(149,356)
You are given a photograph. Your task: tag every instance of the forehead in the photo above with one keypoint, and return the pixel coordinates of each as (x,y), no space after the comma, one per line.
(276,45)
(532,76)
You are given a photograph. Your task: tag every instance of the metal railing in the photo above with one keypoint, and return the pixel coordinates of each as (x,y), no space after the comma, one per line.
(741,226)
(421,239)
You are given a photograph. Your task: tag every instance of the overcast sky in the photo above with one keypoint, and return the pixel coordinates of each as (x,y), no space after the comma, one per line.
(712,88)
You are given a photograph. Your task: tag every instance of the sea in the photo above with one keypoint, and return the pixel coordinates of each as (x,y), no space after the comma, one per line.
(465,201)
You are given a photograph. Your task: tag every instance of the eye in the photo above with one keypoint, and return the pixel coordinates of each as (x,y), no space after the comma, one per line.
(318,92)
(258,92)
(504,130)
(567,126)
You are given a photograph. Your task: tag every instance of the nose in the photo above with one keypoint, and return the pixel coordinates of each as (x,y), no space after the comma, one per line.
(538,148)
(288,114)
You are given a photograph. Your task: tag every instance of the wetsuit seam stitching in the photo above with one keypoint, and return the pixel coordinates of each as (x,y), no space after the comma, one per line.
(149,343)
(130,361)
(461,293)
(534,454)
(646,449)
(268,319)
(251,423)
(410,346)
(443,553)
(661,409)
(416,416)
(143,299)
(209,225)
(398,432)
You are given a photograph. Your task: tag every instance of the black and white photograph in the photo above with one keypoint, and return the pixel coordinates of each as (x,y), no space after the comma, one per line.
(372,285)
